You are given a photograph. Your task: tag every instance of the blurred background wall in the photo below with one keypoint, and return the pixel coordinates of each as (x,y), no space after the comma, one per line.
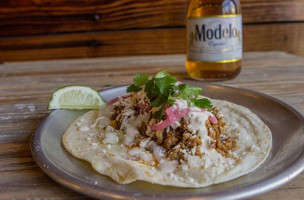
(57,29)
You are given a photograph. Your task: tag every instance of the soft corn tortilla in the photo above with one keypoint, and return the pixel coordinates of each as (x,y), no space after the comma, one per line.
(254,144)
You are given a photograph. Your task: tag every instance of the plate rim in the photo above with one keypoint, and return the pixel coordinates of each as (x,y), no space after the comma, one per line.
(295,168)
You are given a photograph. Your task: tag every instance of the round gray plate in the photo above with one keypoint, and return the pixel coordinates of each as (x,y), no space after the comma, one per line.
(286,159)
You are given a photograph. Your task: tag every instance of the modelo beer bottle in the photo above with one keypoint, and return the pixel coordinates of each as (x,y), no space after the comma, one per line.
(214,39)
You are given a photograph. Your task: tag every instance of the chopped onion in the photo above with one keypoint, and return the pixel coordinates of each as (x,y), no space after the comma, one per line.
(167,166)
(130,135)
(144,142)
(141,154)
(84,128)
(110,138)
(157,151)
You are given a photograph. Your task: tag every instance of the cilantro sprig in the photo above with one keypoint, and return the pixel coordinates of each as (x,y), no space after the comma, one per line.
(163,89)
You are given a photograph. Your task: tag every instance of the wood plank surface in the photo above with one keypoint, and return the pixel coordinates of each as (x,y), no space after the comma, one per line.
(270,37)
(27,17)
(25,89)
(43,29)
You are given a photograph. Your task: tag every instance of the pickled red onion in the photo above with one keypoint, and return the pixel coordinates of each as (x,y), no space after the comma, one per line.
(213,119)
(161,125)
(173,115)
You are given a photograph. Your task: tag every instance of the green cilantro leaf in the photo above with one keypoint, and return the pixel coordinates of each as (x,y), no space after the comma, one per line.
(181,91)
(162,74)
(133,88)
(158,114)
(159,100)
(193,91)
(171,100)
(203,103)
(186,91)
(151,89)
(140,79)
(165,84)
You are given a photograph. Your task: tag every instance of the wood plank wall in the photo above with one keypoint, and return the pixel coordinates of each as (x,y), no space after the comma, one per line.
(55,29)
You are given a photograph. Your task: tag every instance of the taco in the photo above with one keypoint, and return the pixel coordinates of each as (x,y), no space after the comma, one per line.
(169,136)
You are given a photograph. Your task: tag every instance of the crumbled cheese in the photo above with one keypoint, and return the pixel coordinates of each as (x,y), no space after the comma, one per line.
(181,104)
(190,179)
(254,148)
(177,124)
(229,164)
(207,162)
(174,125)
(185,167)
(184,151)
(234,154)
(110,128)
(194,161)
(193,150)
(168,129)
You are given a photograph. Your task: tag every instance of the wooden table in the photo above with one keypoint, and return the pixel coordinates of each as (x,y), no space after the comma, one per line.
(25,89)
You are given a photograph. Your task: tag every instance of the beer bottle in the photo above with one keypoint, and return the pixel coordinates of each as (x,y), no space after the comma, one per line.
(214,39)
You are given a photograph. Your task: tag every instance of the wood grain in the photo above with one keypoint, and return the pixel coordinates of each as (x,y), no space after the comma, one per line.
(284,37)
(28,17)
(44,29)
(25,89)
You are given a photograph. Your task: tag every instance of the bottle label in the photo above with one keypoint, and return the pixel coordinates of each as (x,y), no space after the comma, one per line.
(215,38)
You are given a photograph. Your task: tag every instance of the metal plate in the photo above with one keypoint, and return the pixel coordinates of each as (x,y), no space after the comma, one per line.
(286,159)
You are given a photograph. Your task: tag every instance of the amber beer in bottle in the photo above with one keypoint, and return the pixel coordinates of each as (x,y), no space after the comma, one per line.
(214,39)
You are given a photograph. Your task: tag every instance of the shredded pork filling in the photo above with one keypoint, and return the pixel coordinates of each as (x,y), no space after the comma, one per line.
(174,142)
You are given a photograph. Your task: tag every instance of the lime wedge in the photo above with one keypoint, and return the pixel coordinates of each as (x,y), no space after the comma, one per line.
(76,97)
